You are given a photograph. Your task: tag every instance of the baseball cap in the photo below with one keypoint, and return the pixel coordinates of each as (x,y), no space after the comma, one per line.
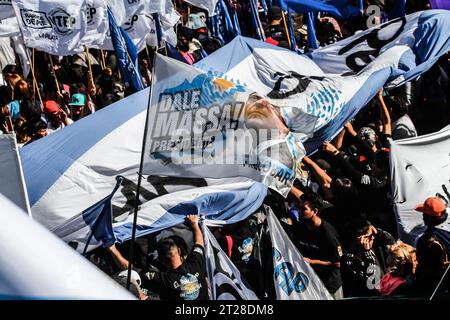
(433,207)
(78,99)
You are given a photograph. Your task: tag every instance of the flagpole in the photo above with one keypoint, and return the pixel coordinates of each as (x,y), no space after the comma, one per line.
(103,58)
(258,20)
(283,15)
(54,74)
(138,190)
(33,74)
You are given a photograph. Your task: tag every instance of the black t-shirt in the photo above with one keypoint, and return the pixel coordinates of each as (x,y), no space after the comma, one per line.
(277,32)
(187,282)
(323,244)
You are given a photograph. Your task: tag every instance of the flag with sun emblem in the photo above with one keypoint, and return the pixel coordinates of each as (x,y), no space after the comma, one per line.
(203,124)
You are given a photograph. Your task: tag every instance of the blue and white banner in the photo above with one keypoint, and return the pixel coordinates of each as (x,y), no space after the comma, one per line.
(224,279)
(39,266)
(204,125)
(294,278)
(333,83)
(420,168)
(54,27)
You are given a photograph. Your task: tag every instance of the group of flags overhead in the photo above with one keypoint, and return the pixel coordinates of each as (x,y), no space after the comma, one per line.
(66,27)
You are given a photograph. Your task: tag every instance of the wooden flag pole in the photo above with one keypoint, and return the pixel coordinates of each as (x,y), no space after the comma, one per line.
(54,75)
(103,58)
(286,28)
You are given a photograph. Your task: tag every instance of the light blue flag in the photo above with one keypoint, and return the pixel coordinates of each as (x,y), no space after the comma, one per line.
(127,54)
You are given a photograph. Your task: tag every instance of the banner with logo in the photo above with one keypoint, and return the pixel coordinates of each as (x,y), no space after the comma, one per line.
(294,279)
(124,9)
(420,168)
(208,126)
(6,9)
(54,27)
(97,23)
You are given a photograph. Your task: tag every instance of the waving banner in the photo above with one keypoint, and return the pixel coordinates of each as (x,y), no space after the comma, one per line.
(420,168)
(425,34)
(54,27)
(97,23)
(203,125)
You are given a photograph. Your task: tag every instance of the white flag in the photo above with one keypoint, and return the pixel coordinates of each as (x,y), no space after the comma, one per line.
(209,5)
(124,9)
(6,9)
(55,27)
(420,168)
(168,18)
(294,278)
(9,27)
(97,23)
(224,278)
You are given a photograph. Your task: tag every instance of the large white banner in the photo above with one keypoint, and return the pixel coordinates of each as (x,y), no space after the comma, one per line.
(35,264)
(420,168)
(53,26)
(206,126)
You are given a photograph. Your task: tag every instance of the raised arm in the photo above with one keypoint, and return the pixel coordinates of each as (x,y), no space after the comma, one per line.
(198,236)
(324,179)
(385,115)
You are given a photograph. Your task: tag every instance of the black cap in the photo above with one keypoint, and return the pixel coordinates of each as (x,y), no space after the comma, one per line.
(274,13)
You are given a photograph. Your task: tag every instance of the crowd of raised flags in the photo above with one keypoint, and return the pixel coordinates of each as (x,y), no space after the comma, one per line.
(81,183)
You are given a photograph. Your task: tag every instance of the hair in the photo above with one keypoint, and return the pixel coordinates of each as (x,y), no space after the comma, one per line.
(12,81)
(313,200)
(344,190)
(11,69)
(21,90)
(432,255)
(164,246)
(359,227)
(400,261)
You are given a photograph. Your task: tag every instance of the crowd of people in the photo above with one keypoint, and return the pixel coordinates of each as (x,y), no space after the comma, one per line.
(342,220)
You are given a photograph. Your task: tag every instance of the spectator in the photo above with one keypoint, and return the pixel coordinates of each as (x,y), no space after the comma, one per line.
(319,243)
(182,278)
(401,268)
(364,261)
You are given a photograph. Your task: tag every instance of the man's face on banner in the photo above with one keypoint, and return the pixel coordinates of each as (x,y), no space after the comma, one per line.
(260,114)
